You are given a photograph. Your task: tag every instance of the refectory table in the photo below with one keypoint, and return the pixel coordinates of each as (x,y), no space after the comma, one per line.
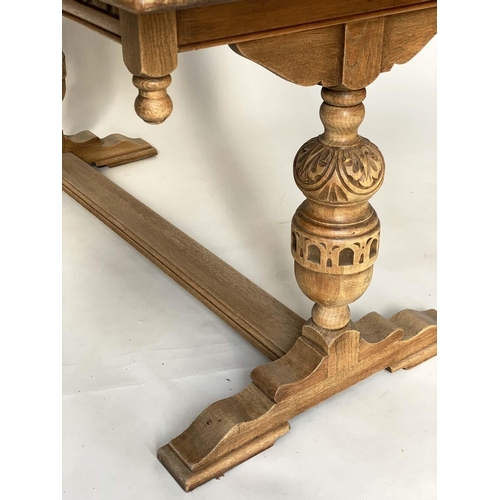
(341,45)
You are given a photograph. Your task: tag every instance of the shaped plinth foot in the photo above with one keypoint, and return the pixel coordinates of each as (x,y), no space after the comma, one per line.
(113,150)
(320,364)
(190,478)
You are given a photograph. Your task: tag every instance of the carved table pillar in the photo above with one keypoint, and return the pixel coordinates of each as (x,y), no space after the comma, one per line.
(334,242)
(336,232)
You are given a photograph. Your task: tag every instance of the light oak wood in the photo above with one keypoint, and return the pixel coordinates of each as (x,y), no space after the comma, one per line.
(342,45)
(398,49)
(335,242)
(321,364)
(149,44)
(330,43)
(261,319)
(336,232)
(139,6)
(233,22)
(112,151)
(104,22)
(351,54)
(208,29)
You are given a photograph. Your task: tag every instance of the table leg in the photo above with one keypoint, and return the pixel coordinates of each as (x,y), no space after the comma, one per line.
(335,240)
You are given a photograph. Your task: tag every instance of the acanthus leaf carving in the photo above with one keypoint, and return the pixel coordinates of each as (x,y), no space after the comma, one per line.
(339,175)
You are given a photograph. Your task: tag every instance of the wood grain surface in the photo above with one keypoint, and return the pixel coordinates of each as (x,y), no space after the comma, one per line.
(260,318)
(226,23)
(102,22)
(352,54)
(250,20)
(255,6)
(321,364)
(111,151)
(343,45)
(139,6)
(149,45)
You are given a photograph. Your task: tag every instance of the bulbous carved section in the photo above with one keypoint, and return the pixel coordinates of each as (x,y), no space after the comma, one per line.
(334,175)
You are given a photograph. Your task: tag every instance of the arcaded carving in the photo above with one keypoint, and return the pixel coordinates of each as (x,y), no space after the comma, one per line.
(333,256)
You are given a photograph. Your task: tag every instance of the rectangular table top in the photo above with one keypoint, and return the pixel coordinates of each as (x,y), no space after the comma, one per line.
(256,5)
(156,5)
(208,23)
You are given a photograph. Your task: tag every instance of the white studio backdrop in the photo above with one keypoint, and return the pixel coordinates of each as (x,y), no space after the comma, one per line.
(142,357)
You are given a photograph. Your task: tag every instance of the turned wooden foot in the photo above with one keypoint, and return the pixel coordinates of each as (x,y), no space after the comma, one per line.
(320,364)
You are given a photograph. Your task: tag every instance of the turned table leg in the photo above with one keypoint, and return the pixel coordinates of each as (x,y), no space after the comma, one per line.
(335,236)
(336,232)
(335,242)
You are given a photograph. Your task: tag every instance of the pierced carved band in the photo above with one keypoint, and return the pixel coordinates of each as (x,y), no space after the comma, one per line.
(332,255)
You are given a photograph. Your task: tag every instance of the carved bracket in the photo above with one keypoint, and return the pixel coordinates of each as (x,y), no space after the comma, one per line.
(352,54)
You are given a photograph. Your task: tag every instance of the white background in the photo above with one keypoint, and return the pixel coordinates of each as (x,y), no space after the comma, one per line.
(142,357)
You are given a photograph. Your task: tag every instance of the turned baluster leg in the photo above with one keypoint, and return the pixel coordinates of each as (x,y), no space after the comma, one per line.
(335,242)
(335,232)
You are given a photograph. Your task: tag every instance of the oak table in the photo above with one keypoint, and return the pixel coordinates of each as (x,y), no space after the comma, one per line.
(341,45)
